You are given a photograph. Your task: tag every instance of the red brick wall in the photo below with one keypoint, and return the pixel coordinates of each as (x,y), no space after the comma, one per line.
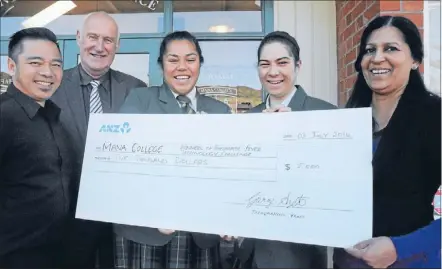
(352,17)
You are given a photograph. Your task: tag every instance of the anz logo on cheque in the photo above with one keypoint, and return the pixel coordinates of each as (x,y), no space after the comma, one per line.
(123,129)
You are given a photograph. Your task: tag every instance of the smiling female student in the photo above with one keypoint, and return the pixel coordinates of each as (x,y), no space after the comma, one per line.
(142,247)
(278,66)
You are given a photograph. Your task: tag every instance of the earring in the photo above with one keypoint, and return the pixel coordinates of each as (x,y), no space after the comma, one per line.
(414,66)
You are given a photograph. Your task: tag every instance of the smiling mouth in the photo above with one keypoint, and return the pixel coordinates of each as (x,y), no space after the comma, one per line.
(97,55)
(275,82)
(42,83)
(379,71)
(181,78)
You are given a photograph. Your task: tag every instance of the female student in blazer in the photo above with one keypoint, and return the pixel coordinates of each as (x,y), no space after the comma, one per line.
(142,247)
(278,66)
(406,145)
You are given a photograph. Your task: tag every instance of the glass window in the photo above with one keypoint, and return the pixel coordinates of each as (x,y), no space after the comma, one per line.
(5,78)
(231,77)
(435,47)
(217,16)
(65,17)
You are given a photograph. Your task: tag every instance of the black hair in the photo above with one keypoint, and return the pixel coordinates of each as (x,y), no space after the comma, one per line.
(362,94)
(179,35)
(284,38)
(15,47)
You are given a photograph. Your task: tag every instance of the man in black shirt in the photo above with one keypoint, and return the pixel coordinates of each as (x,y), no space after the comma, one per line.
(35,156)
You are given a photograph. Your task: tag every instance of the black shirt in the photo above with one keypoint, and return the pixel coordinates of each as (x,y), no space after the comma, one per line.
(35,171)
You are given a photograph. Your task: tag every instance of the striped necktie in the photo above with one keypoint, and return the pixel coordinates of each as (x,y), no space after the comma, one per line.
(95,102)
(185,102)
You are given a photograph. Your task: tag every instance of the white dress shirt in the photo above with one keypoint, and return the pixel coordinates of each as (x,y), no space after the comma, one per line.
(192,96)
(285,102)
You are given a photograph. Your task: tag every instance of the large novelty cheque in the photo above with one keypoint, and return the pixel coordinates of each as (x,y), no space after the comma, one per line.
(303,177)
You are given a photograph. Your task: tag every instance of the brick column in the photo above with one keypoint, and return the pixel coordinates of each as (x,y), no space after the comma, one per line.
(351,18)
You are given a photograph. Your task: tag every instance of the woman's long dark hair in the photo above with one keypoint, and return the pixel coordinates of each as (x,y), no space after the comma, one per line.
(362,94)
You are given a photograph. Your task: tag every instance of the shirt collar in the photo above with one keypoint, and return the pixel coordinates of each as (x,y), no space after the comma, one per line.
(191,95)
(285,102)
(29,105)
(86,79)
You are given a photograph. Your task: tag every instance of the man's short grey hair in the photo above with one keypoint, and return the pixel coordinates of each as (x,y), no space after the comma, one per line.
(95,13)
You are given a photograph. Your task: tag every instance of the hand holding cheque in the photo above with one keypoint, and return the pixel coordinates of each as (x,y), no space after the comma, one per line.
(288,177)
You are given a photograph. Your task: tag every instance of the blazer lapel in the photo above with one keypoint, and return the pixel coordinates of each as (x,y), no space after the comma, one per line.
(201,103)
(117,92)
(259,108)
(167,100)
(74,97)
(298,100)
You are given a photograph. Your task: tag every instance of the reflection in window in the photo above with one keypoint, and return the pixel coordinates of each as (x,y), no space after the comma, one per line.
(128,14)
(231,77)
(5,78)
(217,16)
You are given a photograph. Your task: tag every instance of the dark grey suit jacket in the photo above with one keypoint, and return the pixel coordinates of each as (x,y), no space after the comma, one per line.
(86,236)
(276,254)
(70,99)
(160,100)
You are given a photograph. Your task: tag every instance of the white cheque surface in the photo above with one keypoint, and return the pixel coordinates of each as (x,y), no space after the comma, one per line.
(303,177)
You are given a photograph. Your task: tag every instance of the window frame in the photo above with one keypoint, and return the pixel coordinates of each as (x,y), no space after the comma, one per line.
(267,20)
(428,6)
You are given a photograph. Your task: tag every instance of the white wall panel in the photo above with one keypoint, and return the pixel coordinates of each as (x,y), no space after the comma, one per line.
(313,24)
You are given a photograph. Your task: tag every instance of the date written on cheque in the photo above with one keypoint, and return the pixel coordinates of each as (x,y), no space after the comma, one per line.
(318,135)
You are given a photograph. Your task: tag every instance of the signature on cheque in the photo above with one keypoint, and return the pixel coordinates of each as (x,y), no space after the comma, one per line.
(288,201)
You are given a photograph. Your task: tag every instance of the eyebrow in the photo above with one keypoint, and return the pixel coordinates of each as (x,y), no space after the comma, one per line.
(95,34)
(388,43)
(279,59)
(175,55)
(41,59)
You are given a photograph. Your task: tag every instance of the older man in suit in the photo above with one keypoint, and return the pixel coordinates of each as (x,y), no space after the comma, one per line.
(91,87)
